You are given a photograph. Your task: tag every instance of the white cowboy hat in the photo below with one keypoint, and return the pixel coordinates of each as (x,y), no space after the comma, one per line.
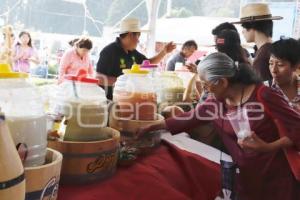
(130,25)
(256,12)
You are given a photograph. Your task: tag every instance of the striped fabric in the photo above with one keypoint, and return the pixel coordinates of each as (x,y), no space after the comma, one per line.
(295,102)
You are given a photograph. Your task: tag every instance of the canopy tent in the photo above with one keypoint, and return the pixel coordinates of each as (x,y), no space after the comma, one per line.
(152,8)
(182,29)
(297,21)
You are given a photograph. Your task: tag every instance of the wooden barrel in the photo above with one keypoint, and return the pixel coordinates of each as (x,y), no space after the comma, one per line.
(12,182)
(128,128)
(88,161)
(42,181)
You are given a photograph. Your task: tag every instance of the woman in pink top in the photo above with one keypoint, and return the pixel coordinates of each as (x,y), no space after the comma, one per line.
(76,58)
(24,53)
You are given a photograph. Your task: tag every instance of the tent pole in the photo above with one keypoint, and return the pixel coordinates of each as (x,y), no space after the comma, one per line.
(152,8)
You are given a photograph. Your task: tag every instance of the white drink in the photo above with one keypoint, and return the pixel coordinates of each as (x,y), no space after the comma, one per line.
(243,134)
(32,132)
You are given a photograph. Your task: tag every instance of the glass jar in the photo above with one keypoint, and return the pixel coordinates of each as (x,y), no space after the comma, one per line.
(169,88)
(83,105)
(23,106)
(135,95)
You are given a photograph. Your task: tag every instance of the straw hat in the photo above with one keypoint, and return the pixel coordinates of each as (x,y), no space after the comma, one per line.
(130,25)
(256,12)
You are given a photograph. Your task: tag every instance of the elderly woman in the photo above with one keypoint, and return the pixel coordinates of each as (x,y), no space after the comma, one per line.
(264,172)
(284,62)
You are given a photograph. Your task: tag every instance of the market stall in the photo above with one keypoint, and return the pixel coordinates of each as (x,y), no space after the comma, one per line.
(169,172)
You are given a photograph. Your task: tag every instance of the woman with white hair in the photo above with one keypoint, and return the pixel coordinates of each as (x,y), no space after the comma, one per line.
(264,171)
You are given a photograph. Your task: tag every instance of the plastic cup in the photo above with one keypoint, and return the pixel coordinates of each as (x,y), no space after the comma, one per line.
(240,123)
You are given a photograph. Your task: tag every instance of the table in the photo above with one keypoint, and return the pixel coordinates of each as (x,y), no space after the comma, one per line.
(169,172)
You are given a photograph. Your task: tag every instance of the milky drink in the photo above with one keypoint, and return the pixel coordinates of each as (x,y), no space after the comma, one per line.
(240,123)
(30,136)
(23,107)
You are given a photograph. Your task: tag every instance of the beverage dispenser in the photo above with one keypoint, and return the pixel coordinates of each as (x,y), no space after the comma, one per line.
(26,119)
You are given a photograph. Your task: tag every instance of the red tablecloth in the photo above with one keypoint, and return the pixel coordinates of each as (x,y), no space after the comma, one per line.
(168,173)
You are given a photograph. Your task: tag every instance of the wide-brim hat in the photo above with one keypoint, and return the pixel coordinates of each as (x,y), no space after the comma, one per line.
(130,25)
(256,12)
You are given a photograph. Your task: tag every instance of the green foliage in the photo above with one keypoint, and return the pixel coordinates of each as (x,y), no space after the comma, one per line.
(120,8)
(181,12)
(60,16)
(53,69)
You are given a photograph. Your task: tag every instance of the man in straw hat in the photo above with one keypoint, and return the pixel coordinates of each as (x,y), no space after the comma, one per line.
(122,54)
(256,19)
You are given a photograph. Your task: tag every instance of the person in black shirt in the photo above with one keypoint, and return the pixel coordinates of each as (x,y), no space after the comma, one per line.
(122,54)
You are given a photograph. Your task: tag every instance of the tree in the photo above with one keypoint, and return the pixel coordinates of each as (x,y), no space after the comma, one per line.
(181,13)
(64,17)
(119,8)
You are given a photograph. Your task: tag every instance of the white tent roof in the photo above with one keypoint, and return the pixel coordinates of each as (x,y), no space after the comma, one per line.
(197,28)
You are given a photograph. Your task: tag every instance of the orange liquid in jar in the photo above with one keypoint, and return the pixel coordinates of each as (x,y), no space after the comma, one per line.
(136,105)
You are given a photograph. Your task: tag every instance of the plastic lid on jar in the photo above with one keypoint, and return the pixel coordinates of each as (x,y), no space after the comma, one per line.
(6,72)
(81,76)
(146,64)
(135,69)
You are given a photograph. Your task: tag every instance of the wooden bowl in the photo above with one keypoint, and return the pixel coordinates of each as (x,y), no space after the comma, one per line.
(42,181)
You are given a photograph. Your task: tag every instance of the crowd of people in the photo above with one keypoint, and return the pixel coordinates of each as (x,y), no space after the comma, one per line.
(233,81)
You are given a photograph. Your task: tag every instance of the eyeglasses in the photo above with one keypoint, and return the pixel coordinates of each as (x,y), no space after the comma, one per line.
(206,85)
